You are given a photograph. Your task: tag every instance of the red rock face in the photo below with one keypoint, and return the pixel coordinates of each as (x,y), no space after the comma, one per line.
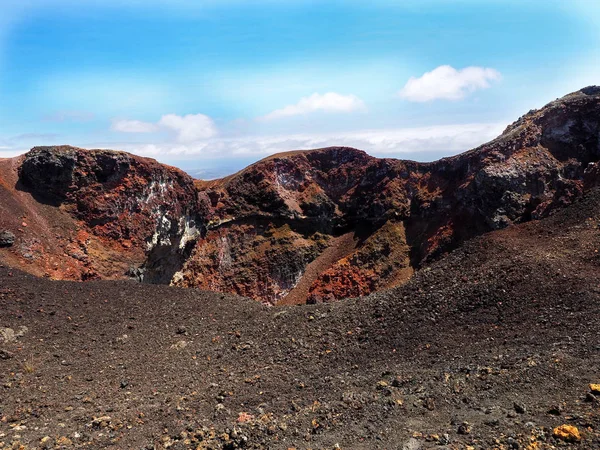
(124,210)
(258,232)
(407,213)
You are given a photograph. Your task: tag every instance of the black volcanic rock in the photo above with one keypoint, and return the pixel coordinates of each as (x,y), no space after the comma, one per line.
(7,238)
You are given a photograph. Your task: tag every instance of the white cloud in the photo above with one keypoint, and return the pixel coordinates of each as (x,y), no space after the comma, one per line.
(189,128)
(420,143)
(328,102)
(133,126)
(424,143)
(445,82)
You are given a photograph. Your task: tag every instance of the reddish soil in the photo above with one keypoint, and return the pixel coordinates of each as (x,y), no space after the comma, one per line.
(339,247)
(44,232)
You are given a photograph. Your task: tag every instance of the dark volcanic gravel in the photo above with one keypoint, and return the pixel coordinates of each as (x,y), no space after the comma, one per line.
(493,346)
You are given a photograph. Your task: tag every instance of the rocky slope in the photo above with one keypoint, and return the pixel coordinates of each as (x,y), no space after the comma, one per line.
(492,347)
(256,232)
(276,216)
(80,214)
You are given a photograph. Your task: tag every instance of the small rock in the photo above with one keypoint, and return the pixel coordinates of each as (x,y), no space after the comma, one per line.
(7,239)
(464,428)
(567,433)
(101,422)
(382,384)
(595,388)
(591,398)
(64,441)
(555,410)
(7,335)
(411,444)
(10,335)
(219,407)
(430,403)
(519,407)
(179,345)
(46,442)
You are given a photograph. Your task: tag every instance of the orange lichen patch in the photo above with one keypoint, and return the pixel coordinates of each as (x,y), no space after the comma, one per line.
(567,433)
(595,388)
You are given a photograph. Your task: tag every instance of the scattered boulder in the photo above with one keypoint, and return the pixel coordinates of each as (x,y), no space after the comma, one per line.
(46,442)
(64,441)
(7,239)
(430,403)
(179,345)
(101,422)
(411,444)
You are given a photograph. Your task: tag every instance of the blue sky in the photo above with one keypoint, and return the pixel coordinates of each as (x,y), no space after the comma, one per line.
(213,85)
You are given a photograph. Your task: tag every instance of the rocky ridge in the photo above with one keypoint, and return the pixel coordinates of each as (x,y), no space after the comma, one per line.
(271,219)
(97,214)
(254,233)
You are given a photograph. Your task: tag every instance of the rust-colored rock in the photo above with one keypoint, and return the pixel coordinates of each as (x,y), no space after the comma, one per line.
(255,233)
(405,212)
(98,213)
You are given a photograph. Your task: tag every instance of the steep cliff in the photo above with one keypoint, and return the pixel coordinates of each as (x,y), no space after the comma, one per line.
(405,212)
(114,213)
(257,232)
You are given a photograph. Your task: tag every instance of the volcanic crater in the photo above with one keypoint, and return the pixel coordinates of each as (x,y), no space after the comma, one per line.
(303,226)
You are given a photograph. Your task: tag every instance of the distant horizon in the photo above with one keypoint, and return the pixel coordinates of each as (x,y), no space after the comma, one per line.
(211,87)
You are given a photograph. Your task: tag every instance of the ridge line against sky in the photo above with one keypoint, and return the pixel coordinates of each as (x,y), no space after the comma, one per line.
(219,84)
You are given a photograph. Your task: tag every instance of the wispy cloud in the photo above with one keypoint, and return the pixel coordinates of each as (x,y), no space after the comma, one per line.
(439,141)
(420,143)
(328,102)
(69,116)
(133,126)
(448,83)
(16,145)
(34,136)
(188,128)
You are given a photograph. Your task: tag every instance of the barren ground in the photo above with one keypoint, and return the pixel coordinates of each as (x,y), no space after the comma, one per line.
(502,334)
